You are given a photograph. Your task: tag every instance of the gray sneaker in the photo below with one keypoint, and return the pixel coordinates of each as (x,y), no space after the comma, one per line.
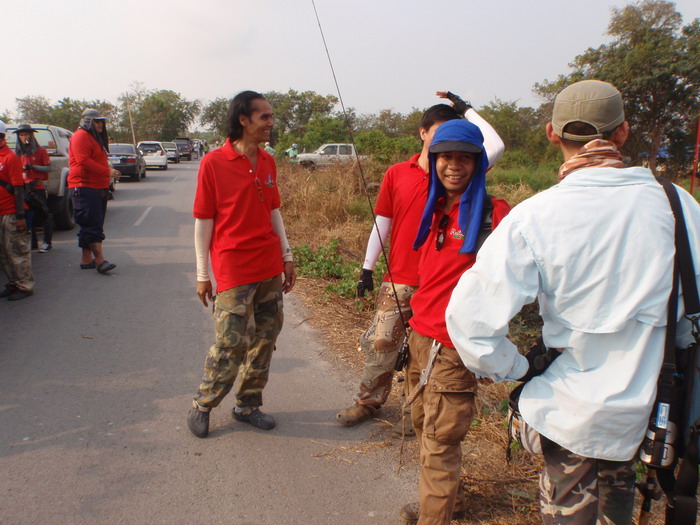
(198,422)
(256,418)
(45,247)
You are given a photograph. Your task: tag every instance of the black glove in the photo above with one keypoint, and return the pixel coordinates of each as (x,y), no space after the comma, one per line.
(539,357)
(460,105)
(365,283)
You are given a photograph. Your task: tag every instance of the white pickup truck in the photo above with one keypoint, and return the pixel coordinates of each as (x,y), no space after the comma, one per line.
(329,154)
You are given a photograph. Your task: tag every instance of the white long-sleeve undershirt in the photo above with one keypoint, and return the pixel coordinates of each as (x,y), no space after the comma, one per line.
(204,230)
(494,147)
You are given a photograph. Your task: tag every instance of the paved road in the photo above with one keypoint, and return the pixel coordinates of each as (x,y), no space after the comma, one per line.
(96,376)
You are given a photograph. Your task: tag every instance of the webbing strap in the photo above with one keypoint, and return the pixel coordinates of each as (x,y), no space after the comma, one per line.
(681,508)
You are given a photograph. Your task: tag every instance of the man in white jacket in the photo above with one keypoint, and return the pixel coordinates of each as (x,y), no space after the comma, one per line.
(597,251)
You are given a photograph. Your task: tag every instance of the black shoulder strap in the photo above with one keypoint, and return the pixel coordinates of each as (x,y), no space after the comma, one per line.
(9,187)
(685,258)
(682,505)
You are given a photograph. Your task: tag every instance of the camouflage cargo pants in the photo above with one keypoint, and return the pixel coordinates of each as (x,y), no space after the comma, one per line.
(15,254)
(380,343)
(585,491)
(248,321)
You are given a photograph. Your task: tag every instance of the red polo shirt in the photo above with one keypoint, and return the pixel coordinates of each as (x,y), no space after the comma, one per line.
(244,247)
(39,158)
(89,167)
(440,270)
(402,198)
(10,171)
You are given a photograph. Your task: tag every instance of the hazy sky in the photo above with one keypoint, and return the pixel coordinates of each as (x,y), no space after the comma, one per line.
(387,54)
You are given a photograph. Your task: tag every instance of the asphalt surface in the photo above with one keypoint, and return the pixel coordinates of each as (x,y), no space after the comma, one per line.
(97,374)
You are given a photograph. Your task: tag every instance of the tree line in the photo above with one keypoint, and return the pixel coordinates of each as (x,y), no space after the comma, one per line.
(652,58)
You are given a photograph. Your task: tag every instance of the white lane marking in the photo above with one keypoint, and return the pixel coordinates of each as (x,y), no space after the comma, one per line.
(174,178)
(143,216)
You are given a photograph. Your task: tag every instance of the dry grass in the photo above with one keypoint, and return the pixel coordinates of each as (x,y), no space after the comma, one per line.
(317,207)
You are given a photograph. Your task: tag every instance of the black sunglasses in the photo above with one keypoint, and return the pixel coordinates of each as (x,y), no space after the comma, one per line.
(442,231)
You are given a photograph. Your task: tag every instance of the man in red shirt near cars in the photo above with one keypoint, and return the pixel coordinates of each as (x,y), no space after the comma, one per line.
(89,178)
(457,218)
(399,207)
(15,253)
(37,166)
(238,222)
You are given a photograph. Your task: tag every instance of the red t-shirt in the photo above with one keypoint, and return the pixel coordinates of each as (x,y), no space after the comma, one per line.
(402,198)
(39,158)
(89,167)
(244,247)
(440,270)
(10,171)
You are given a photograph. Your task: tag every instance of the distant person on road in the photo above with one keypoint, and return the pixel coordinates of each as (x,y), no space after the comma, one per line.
(15,252)
(458,216)
(598,250)
(399,208)
(238,222)
(37,166)
(89,180)
(292,152)
(269,149)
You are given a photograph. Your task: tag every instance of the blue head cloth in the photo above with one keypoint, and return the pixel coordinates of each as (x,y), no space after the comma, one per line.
(471,204)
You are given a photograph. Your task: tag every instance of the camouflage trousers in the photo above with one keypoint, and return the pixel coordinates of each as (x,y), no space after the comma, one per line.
(248,321)
(381,342)
(15,254)
(585,491)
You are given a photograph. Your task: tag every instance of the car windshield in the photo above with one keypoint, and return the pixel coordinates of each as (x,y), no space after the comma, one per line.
(148,147)
(169,145)
(122,149)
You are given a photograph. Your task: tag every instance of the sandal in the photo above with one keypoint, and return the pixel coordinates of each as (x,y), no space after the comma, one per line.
(88,266)
(106,267)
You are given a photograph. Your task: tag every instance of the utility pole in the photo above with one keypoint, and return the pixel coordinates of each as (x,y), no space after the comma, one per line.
(131,122)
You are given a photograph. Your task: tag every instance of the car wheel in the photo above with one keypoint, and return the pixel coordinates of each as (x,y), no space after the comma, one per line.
(143,175)
(165,167)
(308,165)
(189,157)
(62,209)
(136,177)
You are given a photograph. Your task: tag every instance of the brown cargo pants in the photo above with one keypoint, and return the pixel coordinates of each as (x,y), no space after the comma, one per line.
(442,414)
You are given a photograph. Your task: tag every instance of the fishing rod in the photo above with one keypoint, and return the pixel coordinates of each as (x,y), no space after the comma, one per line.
(362,176)
(402,356)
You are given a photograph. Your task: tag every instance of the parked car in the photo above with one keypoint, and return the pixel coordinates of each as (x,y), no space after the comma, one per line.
(184,144)
(329,154)
(127,160)
(56,140)
(171,151)
(154,154)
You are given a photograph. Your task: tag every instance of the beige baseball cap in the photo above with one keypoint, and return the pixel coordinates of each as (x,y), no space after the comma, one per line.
(593,102)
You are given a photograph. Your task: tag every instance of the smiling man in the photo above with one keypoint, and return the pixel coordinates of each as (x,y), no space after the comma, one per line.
(237,220)
(458,217)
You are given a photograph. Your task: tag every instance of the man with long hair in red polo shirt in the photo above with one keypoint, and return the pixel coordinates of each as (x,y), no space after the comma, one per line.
(238,222)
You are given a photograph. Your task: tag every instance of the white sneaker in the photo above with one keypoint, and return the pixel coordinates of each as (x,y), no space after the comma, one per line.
(45,247)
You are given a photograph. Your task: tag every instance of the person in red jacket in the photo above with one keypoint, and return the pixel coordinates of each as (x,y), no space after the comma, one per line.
(15,255)
(37,166)
(457,218)
(89,179)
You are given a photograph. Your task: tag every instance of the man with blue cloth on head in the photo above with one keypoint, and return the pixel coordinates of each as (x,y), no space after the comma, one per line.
(458,217)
